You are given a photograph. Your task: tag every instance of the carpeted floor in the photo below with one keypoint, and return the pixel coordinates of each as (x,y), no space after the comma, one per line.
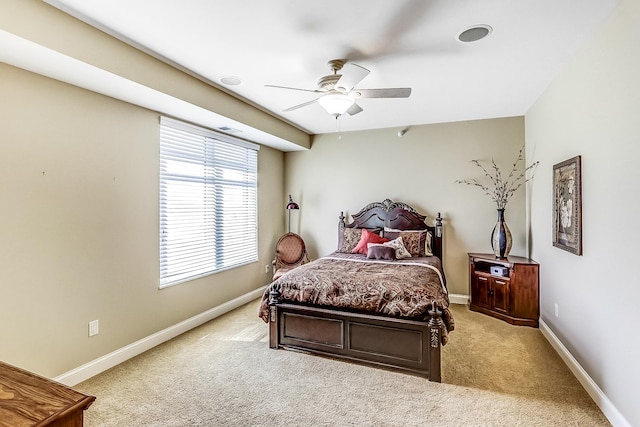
(223,374)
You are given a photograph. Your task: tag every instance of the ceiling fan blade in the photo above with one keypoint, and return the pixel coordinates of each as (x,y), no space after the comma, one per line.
(387,40)
(352,74)
(354,109)
(294,88)
(397,92)
(304,104)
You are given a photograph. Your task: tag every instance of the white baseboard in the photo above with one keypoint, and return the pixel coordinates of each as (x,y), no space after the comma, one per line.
(101,364)
(458,299)
(606,406)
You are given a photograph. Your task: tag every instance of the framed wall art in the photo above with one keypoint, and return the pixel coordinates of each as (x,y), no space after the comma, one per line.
(567,205)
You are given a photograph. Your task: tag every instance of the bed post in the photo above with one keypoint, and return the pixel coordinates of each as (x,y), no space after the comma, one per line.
(437,250)
(274,298)
(435,342)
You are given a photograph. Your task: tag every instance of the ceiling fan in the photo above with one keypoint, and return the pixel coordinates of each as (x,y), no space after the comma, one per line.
(338,93)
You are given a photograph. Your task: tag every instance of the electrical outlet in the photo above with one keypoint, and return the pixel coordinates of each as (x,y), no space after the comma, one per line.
(556,310)
(267,268)
(93,328)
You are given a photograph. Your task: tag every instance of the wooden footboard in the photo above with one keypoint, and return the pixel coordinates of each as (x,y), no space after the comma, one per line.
(406,345)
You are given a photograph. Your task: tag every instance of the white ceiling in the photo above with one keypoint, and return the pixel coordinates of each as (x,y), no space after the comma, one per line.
(409,43)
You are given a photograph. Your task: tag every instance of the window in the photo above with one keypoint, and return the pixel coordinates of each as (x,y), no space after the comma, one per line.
(208,202)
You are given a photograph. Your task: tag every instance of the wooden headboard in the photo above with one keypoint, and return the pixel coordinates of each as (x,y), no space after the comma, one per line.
(396,215)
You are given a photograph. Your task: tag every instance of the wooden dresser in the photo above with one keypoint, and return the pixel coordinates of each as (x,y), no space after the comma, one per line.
(27,399)
(507,289)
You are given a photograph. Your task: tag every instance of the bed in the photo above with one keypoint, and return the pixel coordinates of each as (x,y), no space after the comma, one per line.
(376,306)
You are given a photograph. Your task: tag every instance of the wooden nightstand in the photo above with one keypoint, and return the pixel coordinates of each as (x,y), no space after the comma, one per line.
(510,294)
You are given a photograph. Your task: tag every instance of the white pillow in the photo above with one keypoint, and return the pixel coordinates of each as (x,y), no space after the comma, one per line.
(401,251)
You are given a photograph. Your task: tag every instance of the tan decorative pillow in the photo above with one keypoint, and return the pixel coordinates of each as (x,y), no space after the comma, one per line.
(417,242)
(348,240)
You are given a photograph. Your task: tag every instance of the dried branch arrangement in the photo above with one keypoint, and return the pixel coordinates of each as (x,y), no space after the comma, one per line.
(500,190)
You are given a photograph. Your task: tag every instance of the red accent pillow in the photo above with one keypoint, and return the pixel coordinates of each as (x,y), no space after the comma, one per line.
(367,237)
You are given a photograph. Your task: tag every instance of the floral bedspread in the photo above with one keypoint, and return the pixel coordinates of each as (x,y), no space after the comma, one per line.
(399,288)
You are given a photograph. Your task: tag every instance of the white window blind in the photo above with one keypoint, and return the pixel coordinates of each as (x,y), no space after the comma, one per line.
(208,202)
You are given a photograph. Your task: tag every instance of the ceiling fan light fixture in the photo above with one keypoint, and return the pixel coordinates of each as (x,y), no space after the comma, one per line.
(336,104)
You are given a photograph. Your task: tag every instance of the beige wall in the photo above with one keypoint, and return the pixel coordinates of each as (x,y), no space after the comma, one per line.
(592,109)
(79,227)
(344,172)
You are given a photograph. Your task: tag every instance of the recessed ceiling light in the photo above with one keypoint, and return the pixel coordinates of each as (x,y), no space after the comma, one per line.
(230,80)
(475,33)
